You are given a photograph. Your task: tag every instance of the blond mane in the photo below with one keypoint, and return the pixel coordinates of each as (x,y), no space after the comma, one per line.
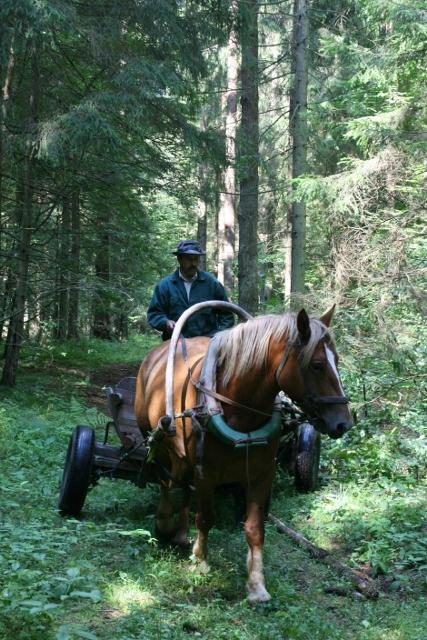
(245,346)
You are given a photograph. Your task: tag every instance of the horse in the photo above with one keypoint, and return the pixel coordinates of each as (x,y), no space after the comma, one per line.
(255,360)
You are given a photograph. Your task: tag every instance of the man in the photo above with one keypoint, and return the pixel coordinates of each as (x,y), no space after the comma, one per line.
(187,286)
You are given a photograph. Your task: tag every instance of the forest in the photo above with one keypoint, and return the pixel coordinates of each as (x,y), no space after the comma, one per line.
(289,137)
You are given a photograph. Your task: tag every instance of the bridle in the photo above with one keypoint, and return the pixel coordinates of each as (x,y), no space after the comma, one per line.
(310,399)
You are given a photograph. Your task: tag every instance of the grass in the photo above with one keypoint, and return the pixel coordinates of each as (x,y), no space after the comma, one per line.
(105,577)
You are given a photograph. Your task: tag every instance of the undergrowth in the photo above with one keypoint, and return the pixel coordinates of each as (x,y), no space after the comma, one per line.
(105,575)
(86,352)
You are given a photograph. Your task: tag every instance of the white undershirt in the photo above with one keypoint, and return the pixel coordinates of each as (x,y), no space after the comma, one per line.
(187,283)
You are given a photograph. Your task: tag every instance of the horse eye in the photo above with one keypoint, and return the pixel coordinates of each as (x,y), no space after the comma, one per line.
(318,366)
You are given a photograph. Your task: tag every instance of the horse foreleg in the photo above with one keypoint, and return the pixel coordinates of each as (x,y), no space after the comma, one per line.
(254,530)
(165,525)
(204,522)
(180,537)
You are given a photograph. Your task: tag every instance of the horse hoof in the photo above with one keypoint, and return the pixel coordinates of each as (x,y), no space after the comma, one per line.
(181,541)
(258,595)
(167,536)
(163,538)
(199,566)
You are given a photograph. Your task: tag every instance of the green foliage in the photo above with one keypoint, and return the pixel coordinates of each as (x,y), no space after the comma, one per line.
(113,93)
(365,202)
(121,87)
(86,352)
(381,527)
(104,576)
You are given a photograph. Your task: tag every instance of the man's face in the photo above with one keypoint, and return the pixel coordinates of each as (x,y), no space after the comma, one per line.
(188,264)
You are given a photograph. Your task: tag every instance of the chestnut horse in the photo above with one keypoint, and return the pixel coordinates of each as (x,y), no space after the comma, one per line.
(256,360)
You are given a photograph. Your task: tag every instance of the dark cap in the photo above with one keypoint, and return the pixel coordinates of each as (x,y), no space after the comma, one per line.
(189,246)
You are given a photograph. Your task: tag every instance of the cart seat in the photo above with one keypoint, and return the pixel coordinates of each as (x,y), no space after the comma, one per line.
(121,400)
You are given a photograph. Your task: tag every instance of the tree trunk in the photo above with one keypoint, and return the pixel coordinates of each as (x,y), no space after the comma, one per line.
(5,272)
(73,304)
(57,273)
(44,314)
(227,208)
(215,250)
(64,270)
(25,214)
(8,286)
(16,322)
(202,211)
(102,305)
(270,284)
(5,98)
(248,159)
(295,242)
(121,326)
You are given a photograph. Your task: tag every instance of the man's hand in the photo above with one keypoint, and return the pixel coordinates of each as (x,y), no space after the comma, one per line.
(170,325)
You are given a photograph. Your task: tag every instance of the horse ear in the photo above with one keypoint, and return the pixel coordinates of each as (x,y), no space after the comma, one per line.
(327,317)
(303,326)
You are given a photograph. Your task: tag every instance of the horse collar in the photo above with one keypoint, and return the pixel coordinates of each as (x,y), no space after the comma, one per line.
(261,436)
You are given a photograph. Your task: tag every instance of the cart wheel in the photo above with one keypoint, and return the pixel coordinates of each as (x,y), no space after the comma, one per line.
(77,471)
(308,458)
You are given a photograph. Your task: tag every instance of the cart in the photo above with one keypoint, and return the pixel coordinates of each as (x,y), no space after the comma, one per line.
(87,461)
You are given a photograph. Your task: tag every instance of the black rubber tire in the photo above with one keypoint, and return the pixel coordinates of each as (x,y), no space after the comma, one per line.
(77,471)
(307,459)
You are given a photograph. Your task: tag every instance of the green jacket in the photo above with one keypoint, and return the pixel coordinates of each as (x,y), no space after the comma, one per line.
(170,300)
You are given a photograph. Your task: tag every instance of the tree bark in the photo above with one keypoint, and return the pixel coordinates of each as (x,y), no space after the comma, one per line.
(248,159)
(64,271)
(5,101)
(227,206)
(270,285)
(25,215)
(74,298)
(295,240)
(363,583)
(102,305)
(215,251)
(8,287)
(16,322)
(202,211)
(5,272)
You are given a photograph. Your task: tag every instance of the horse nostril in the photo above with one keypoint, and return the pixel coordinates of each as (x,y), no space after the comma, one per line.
(342,427)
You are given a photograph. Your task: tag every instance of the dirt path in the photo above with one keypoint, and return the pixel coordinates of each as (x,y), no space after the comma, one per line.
(108,375)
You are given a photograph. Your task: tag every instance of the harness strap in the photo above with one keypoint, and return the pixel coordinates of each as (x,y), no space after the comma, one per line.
(283,362)
(312,398)
(188,379)
(329,399)
(199,430)
(219,396)
(210,392)
(165,475)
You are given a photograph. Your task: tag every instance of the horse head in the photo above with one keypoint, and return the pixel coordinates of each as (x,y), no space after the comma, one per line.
(309,374)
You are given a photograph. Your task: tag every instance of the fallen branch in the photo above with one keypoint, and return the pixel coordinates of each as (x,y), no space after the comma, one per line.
(362,582)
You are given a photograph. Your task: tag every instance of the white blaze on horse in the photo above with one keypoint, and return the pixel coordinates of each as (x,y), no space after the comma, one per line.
(253,362)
